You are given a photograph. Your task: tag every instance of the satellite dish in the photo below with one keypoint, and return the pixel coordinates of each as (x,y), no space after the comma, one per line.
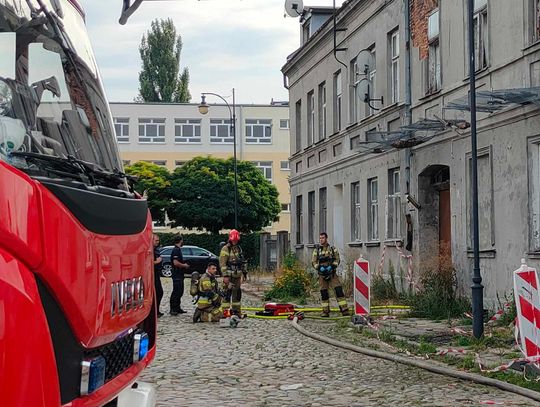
(294,8)
(365,62)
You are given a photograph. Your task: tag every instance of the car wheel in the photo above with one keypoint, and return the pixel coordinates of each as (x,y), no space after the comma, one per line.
(166,270)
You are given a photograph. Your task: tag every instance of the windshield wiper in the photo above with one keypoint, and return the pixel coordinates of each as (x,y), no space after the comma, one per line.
(65,163)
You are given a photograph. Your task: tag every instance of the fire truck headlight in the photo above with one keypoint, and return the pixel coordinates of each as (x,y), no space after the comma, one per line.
(140,346)
(92,375)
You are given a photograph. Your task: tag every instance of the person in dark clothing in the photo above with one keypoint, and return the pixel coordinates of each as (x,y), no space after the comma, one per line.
(179,266)
(158,263)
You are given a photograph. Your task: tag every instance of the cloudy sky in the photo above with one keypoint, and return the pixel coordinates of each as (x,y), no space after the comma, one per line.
(227,43)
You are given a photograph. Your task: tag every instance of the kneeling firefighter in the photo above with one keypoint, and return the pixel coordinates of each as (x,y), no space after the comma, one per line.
(233,268)
(325,260)
(206,289)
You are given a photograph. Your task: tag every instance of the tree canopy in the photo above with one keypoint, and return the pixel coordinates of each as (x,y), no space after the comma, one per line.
(202,192)
(154,181)
(160,79)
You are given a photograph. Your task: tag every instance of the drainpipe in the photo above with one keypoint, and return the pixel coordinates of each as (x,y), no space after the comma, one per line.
(408,91)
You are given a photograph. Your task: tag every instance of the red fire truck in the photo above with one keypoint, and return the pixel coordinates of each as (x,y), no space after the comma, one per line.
(77,319)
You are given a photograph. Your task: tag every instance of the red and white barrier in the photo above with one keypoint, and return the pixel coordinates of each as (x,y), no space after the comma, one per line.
(409,259)
(528,309)
(362,284)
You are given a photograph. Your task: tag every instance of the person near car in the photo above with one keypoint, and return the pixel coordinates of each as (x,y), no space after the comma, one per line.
(209,303)
(232,264)
(158,263)
(178,267)
(325,259)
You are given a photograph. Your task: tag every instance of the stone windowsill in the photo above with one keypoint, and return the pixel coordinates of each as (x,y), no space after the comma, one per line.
(357,243)
(484,254)
(372,244)
(311,245)
(394,242)
(299,246)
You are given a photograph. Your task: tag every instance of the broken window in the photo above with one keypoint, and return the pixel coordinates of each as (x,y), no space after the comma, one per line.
(337,101)
(373,210)
(355,211)
(311,217)
(480,30)
(434,55)
(393,206)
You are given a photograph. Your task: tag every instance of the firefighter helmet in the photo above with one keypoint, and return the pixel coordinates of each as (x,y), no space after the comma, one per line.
(234,236)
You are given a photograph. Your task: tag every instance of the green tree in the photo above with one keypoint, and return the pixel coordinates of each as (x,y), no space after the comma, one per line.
(203,194)
(153,181)
(160,79)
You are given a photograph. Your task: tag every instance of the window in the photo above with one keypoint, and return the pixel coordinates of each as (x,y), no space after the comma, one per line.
(178,164)
(299,220)
(161,163)
(337,101)
(151,130)
(373,210)
(354,89)
(311,118)
(322,210)
(187,130)
(298,125)
(197,251)
(534,188)
(322,110)
(285,207)
(311,217)
(393,206)
(394,66)
(481,34)
(258,131)
(355,211)
(121,127)
(284,124)
(536,24)
(372,77)
(220,131)
(434,54)
(265,167)
(285,166)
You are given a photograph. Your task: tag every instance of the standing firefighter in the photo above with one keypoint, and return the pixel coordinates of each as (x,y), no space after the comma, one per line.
(209,303)
(325,260)
(232,264)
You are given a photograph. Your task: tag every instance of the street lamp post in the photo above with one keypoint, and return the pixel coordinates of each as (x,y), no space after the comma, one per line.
(203,109)
(477,287)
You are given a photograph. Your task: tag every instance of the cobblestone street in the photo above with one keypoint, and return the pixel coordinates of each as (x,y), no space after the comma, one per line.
(268,363)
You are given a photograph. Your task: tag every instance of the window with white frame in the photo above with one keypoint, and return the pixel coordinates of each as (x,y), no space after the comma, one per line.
(354,89)
(373,209)
(372,77)
(355,211)
(481,34)
(322,210)
(299,220)
(393,206)
(434,54)
(534,197)
(311,217)
(284,165)
(259,131)
(285,207)
(151,130)
(394,65)
(338,96)
(121,128)
(187,130)
(265,167)
(311,118)
(220,131)
(284,124)
(322,111)
(298,126)
(161,163)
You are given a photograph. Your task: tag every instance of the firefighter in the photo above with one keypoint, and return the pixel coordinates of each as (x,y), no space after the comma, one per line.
(233,268)
(209,303)
(325,260)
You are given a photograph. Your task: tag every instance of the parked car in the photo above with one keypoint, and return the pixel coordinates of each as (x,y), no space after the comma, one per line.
(197,258)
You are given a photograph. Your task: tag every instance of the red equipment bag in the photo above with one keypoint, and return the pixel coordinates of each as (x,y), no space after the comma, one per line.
(273,309)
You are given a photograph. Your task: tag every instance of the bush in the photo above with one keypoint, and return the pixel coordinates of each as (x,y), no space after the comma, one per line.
(292,282)
(383,291)
(249,242)
(437,299)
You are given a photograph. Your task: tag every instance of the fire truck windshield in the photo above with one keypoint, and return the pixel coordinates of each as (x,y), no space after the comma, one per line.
(52,104)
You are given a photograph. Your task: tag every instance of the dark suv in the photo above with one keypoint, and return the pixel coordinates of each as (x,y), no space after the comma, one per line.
(197,258)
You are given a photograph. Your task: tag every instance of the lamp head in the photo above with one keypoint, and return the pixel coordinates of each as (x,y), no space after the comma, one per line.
(203,107)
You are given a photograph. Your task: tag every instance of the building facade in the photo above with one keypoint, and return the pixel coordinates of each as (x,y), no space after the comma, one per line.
(380,144)
(172,134)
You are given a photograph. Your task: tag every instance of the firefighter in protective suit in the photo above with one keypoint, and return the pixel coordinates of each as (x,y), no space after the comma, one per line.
(233,267)
(325,260)
(209,302)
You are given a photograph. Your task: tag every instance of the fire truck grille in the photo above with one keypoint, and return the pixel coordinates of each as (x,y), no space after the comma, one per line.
(118,355)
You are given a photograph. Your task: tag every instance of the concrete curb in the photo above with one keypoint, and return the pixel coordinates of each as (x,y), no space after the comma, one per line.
(472,377)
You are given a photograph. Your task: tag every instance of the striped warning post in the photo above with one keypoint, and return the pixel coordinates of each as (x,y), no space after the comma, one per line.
(528,309)
(362,285)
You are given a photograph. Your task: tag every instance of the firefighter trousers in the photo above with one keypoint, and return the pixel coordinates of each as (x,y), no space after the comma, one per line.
(334,284)
(233,298)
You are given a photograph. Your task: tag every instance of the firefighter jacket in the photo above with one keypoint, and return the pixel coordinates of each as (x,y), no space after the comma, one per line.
(325,256)
(208,292)
(231,260)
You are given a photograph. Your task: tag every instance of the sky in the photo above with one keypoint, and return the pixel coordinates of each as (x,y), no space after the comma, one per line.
(227,44)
